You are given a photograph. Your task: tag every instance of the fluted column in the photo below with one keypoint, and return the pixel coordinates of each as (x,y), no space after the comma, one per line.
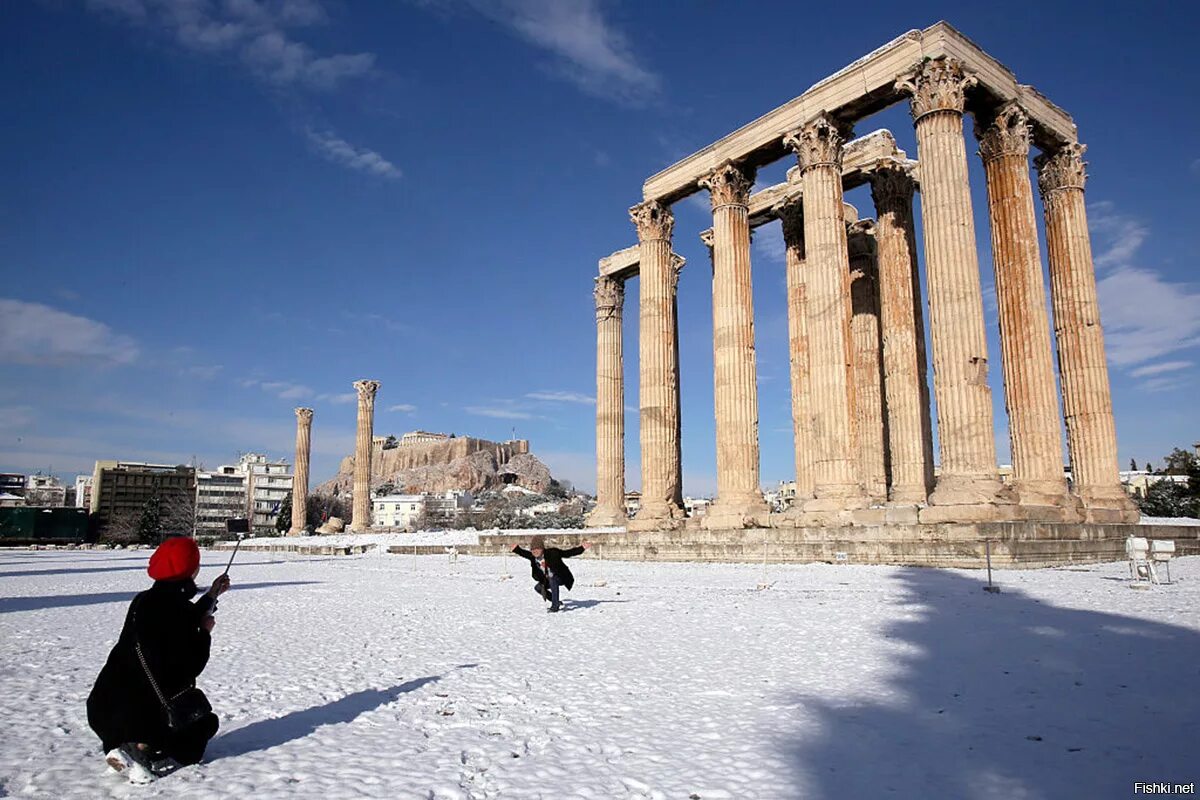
(360,516)
(818,148)
(1030,395)
(791,216)
(1087,399)
(960,363)
(658,367)
(304,418)
(867,373)
(610,405)
(910,430)
(734,369)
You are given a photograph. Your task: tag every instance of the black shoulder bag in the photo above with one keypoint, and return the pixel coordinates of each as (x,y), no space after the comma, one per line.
(184,709)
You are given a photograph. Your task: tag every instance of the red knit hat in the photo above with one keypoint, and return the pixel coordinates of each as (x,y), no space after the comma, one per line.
(175,559)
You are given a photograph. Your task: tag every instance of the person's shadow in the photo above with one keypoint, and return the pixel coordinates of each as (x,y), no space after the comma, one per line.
(1002,696)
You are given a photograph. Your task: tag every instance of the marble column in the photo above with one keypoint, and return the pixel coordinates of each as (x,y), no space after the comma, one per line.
(304,418)
(658,368)
(818,148)
(1082,367)
(610,405)
(360,515)
(791,216)
(1030,394)
(734,368)
(960,363)
(867,371)
(906,388)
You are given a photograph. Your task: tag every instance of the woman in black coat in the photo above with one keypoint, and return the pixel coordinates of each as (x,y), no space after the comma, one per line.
(548,568)
(174,635)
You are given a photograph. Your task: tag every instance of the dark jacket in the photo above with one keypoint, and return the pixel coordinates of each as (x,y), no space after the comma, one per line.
(554,562)
(122,706)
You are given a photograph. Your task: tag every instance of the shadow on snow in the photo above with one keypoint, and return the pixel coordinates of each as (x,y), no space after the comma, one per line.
(38,603)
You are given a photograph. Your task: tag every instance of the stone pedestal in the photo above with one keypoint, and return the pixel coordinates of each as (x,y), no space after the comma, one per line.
(1087,401)
(304,418)
(960,362)
(791,216)
(818,148)
(867,373)
(659,369)
(610,406)
(360,518)
(739,499)
(910,430)
(1030,395)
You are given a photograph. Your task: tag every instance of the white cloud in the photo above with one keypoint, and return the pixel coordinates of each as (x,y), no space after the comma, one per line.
(498,413)
(768,242)
(253,31)
(339,151)
(338,399)
(15,417)
(282,389)
(562,397)
(1145,315)
(1160,368)
(589,50)
(204,373)
(404,408)
(32,333)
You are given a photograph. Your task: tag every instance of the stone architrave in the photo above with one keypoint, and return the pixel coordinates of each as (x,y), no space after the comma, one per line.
(1087,398)
(360,518)
(818,148)
(739,498)
(610,405)
(966,437)
(304,417)
(658,369)
(906,388)
(1030,394)
(870,421)
(791,217)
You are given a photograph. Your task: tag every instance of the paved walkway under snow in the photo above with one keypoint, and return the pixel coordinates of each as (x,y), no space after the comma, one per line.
(399,677)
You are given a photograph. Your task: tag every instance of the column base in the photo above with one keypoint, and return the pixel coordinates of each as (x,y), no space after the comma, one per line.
(1047,501)
(908,496)
(1108,505)
(837,497)
(971,490)
(743,512)
(658,517)
(606,517)
(297,532)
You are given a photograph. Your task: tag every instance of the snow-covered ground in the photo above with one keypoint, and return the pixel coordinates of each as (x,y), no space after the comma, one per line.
(400,677)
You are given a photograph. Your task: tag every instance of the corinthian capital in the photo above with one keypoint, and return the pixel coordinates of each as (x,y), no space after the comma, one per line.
(1007,133)
(366,390)
(860,239)
(653,220)
(791,218)
(1062,169)
(677,262)
(891,186)
(729,185)
(610,297)
(304,415)
(939,84)
(819,143)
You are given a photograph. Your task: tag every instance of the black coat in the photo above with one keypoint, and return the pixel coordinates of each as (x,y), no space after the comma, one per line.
(122,706)
(554,562)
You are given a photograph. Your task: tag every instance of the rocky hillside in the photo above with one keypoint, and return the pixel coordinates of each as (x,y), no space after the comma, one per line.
(465,463)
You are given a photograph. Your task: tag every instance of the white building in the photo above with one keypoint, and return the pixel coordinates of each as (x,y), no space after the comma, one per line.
(402,511)
(696,506)
(445,506)
(1136,482)
(220,495)
(45,491)
(268,484)
(83,491)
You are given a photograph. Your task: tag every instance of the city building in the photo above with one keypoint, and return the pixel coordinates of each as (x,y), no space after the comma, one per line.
(83,491)
(443,507)
(1136,482)
(633,503)
(220,495)
(402,511)
(121,489)
(422,437)
(12,483)
(44,491)
(696,506)
(11,500)
(268,483)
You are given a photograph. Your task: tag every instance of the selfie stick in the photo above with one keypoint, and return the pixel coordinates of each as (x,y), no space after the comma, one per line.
(235,549)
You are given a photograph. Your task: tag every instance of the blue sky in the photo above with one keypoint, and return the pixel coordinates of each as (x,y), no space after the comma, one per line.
(214,211)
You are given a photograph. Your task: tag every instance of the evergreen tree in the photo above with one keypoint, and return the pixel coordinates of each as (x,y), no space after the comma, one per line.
(283,522)
(1132,465)
(149,527)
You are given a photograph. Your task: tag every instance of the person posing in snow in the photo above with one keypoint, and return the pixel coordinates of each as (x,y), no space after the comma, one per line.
(548,568)
(128,706)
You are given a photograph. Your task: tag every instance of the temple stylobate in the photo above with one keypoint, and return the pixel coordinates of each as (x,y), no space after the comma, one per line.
(860,370)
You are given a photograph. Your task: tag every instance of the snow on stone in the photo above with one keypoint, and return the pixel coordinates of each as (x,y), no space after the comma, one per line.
(419,677)
(1170,521)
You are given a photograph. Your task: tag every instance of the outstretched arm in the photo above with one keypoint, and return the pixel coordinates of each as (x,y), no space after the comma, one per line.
(574,551)
(522,552)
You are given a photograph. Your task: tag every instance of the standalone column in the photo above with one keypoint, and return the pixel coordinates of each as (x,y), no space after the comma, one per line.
(1087,402)
(910,432)
(960,368)
(867,374)
(300,477)
(791,215)
(360,516)
(818,148)
(610,405)
(735,383)
(1030,396)
(658,368)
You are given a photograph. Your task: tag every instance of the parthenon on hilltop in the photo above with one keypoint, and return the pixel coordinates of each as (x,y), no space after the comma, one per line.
(863,433)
